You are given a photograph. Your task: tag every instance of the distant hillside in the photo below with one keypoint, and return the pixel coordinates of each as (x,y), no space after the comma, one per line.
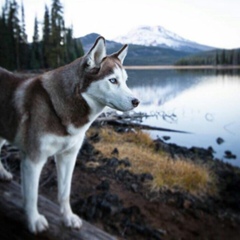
(88,41)
(138,54)
(142,55)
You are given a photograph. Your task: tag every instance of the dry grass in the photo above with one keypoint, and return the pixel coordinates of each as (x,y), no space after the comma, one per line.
(138,147)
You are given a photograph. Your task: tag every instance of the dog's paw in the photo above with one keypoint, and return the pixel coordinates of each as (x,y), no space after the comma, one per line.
(72,221)
(5,175)
(38,224)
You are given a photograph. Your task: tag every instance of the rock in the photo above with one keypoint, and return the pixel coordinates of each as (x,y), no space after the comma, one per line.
(161,146)
(176,151)
(99,206)
(187,204)
(133,210)
(220,140)
(104,185)
(92,164)
(120,129)
(95,137)
(124,175)
(134,187)
(125,162)
(230,155)
(166,138)
(146,176)
(113,162)
(162,231)
(87,149)
(201,152)
(115,151)
(211,150)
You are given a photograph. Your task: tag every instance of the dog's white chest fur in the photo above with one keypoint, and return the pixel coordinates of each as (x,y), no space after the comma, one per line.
(52,144)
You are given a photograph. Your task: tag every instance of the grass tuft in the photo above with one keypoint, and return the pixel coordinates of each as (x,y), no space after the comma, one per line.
(138,147)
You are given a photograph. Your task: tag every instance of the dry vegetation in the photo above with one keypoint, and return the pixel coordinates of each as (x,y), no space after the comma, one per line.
(138,147)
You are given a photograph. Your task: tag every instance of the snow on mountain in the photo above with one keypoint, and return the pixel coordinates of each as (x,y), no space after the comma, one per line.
(161,37)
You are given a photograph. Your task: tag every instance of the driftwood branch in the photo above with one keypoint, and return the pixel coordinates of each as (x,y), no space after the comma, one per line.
(119,121)
(13,221)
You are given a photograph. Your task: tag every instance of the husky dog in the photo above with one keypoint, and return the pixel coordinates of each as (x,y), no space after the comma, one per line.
(48,115)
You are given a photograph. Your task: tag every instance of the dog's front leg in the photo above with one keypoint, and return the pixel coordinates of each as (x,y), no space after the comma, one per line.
(4,174)
(65,164)
(30,173)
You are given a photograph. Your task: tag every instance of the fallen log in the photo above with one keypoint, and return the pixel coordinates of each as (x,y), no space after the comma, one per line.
(13,221)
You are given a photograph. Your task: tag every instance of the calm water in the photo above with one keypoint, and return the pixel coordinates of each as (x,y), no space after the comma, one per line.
(205,103)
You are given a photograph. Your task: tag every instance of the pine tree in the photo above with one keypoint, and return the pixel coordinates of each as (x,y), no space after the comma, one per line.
(14,38)
(78,48)
(36,48)
(13,47)
(68,51)
(216,58)
(223,57)
(24,47)
(36,32)
(57,35)
(46,38)
(23,25)
(73,48)
(235,57)
(4,37)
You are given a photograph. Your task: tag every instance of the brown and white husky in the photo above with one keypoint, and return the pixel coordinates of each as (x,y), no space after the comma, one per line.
(48,115)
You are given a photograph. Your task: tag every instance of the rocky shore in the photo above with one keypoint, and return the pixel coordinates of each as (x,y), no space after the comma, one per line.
(107,194)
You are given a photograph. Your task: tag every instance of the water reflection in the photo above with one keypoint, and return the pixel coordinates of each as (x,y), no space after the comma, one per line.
(205,103)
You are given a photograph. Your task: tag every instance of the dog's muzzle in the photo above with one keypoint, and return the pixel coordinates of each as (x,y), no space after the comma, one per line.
(135,102)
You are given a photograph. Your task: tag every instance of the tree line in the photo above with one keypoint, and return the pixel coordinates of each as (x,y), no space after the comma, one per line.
(215,57)
(55,46)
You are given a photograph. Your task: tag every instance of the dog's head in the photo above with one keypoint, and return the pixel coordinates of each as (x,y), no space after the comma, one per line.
(105,78)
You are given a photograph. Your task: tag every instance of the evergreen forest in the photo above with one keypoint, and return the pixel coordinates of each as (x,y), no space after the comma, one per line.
(52,43)
(216,57)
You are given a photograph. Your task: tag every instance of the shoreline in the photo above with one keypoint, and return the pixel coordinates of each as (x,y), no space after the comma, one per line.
(189,67)
(134,120)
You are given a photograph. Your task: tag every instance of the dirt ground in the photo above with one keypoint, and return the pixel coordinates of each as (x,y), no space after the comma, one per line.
(120,202)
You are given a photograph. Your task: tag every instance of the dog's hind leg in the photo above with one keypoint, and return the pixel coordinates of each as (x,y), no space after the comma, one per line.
(4,174)
(65,163)
(30,173)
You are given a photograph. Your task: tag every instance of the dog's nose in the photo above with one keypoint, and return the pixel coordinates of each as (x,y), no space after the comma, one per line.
(135,102)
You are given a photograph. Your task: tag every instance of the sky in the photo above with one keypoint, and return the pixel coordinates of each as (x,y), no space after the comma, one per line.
(211,22)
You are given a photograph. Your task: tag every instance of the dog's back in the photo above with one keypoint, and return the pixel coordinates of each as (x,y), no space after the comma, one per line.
(9,119)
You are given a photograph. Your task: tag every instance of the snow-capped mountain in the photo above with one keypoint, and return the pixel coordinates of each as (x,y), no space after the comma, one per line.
(160,37)
(138,54)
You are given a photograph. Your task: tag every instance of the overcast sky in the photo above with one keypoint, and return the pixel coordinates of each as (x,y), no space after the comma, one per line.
(211,22)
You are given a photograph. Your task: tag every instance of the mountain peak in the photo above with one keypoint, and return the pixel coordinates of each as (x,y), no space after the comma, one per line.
(159,36)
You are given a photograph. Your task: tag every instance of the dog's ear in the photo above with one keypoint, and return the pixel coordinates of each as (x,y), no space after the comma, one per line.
(96,53)
(122,53)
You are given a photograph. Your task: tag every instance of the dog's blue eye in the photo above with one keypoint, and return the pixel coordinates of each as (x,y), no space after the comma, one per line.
(113,80)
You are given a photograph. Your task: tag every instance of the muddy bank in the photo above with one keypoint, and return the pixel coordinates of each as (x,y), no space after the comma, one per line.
(107,194)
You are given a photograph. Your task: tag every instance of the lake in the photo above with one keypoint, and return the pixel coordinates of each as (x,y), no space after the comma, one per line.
(205,103)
